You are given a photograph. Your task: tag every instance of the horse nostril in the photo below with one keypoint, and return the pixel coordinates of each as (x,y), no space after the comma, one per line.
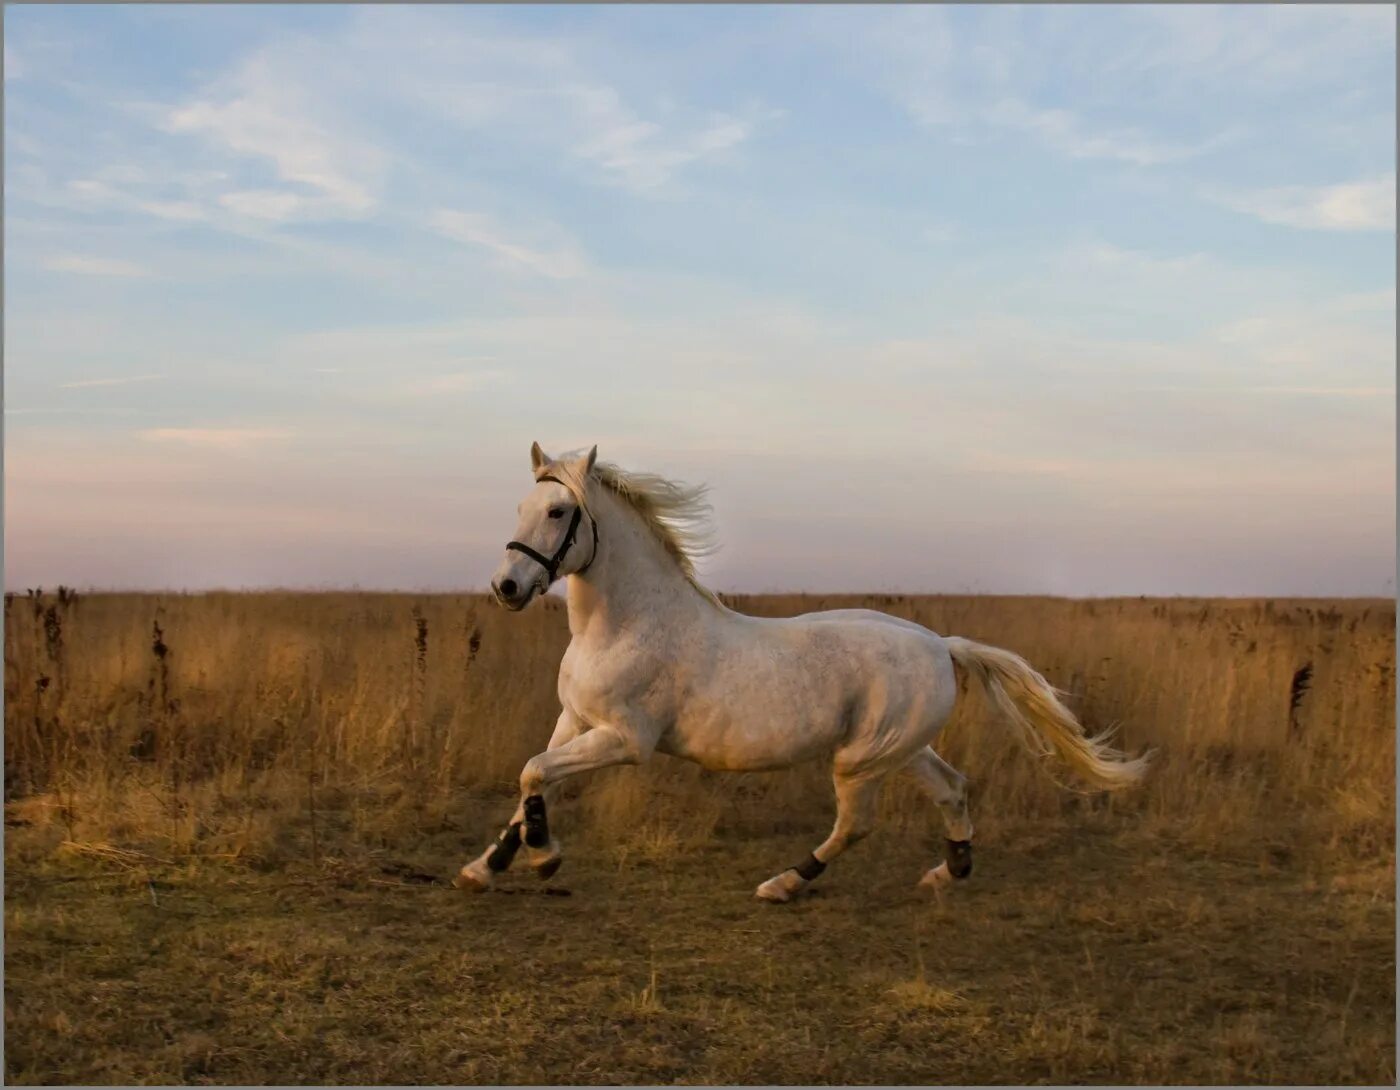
(508,587)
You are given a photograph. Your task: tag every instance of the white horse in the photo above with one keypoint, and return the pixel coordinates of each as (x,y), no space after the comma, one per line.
(658,664)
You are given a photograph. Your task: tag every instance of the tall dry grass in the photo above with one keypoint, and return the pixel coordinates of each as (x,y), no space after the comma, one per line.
(261,724)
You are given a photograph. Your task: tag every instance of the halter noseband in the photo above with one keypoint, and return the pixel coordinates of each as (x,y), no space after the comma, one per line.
(551,563)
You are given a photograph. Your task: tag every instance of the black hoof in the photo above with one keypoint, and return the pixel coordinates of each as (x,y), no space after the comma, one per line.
(959,857)
(550,868)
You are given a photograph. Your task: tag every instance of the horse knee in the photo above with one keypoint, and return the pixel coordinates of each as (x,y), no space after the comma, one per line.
(532,777)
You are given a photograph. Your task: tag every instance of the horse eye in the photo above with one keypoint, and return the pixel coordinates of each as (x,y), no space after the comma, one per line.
(556,512)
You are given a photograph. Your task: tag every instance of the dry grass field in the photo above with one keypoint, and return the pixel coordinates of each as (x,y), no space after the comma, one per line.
(231,818)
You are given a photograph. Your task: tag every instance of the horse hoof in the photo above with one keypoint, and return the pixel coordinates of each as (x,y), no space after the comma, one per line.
(936,880)
(472,882)
(550,867)
(780,889)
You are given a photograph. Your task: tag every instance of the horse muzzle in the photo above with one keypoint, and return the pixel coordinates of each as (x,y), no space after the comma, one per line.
(513,594)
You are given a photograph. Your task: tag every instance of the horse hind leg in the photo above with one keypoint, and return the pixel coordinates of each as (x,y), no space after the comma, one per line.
(856,796)
(947,787)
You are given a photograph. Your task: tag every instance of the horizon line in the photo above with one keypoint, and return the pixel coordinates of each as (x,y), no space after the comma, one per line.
(30,593)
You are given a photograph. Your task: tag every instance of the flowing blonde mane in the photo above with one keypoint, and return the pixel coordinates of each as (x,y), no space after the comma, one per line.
(677,514)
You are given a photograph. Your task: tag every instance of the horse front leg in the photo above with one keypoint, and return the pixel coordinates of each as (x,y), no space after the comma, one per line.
(480,872)
(601,747)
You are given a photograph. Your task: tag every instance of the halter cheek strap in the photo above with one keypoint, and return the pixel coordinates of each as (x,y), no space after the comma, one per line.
(551,563)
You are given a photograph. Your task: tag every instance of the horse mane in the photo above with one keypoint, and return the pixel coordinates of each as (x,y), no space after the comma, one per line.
(677,514)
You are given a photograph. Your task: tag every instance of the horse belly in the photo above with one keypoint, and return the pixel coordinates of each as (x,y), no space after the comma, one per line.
(739,735)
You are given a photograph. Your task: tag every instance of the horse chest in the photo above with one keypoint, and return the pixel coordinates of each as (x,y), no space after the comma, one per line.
(614,684)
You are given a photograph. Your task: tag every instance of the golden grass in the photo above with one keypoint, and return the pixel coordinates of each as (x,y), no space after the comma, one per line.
(231,817)
(221,723)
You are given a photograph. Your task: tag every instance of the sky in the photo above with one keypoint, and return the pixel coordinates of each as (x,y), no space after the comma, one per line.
(1054,300)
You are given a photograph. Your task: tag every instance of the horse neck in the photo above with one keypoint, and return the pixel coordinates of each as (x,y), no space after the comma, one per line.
(632,580)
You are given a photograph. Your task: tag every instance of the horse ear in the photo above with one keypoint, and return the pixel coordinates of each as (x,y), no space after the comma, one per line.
(588,462)
(537,457)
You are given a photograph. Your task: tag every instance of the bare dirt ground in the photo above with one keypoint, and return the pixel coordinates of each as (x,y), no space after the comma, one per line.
(1085,953)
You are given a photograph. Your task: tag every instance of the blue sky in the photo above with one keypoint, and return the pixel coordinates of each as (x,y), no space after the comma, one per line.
(1073,300)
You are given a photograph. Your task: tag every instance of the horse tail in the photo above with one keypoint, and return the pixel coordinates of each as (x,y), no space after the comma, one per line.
(1043,724)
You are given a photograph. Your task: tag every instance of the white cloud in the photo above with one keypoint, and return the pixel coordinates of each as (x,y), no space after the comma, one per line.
(545,92)
(69,410)
(640,155)
(1105,255)
(1293,391)
(1119,291)
(296,106)
(1383,299)
(264,204)
(126,381)
(173,210)
(1067,133)
(1296,44)
(292,133)
(1323,345)
(985,75)
(87,265)
(219,438)
(1367,205)
(265,111)
(1146,85)
(561,263)
(366,356)
(456,382)
(128,196)
(91,189)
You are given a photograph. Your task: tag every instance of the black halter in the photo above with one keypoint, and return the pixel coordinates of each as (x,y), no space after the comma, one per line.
(551,563)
